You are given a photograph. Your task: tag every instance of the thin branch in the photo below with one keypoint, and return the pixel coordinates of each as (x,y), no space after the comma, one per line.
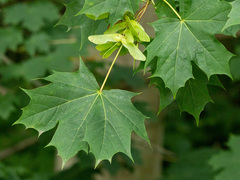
(18,147)
(6,59)
(64,41)
(155,147)
(142,11)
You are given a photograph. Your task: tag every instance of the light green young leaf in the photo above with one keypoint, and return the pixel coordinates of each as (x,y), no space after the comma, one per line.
(105,38)
(109,51)
(179,42)
(116,28)
(137,30)
(129,36)
(106,46)
(134,51)
(88,120)
(228,161)
(115,8)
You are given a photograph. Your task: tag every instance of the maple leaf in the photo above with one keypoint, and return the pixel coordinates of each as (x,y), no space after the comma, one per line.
(88,120)
(194,95)
(86,25)
(187,38)
(234,19)
(191,98)
(10,39)
(115,8)
(32,16)
(228,161)
(38,43)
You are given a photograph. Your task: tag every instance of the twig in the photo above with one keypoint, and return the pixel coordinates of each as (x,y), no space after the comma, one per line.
(6,59)
(64,41)
(169,155)
(17,147)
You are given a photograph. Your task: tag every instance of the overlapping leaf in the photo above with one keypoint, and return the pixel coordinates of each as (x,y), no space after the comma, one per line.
(70,19)
(194,95)
(234,19)
(191,98)
(89,120)
(32,16)
(228,161)
(180,42)
(115,8)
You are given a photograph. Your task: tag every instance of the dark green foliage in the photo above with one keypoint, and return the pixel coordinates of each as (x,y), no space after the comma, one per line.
(187,64)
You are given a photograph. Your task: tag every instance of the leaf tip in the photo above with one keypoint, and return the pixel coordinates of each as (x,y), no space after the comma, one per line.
(97,163)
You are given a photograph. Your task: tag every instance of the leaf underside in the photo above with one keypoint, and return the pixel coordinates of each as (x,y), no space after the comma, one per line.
(88,120)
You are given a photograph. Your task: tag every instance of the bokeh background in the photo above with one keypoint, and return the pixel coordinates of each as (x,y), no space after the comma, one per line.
(31,47)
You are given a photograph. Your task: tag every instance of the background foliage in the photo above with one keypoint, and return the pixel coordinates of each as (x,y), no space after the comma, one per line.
(31,47)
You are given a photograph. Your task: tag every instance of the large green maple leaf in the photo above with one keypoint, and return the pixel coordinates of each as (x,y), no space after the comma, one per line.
(70,19)
(115,8)
(89,120)
(228,161)
(189,38)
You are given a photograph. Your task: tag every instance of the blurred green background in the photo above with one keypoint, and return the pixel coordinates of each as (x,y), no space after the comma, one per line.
(31,47)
